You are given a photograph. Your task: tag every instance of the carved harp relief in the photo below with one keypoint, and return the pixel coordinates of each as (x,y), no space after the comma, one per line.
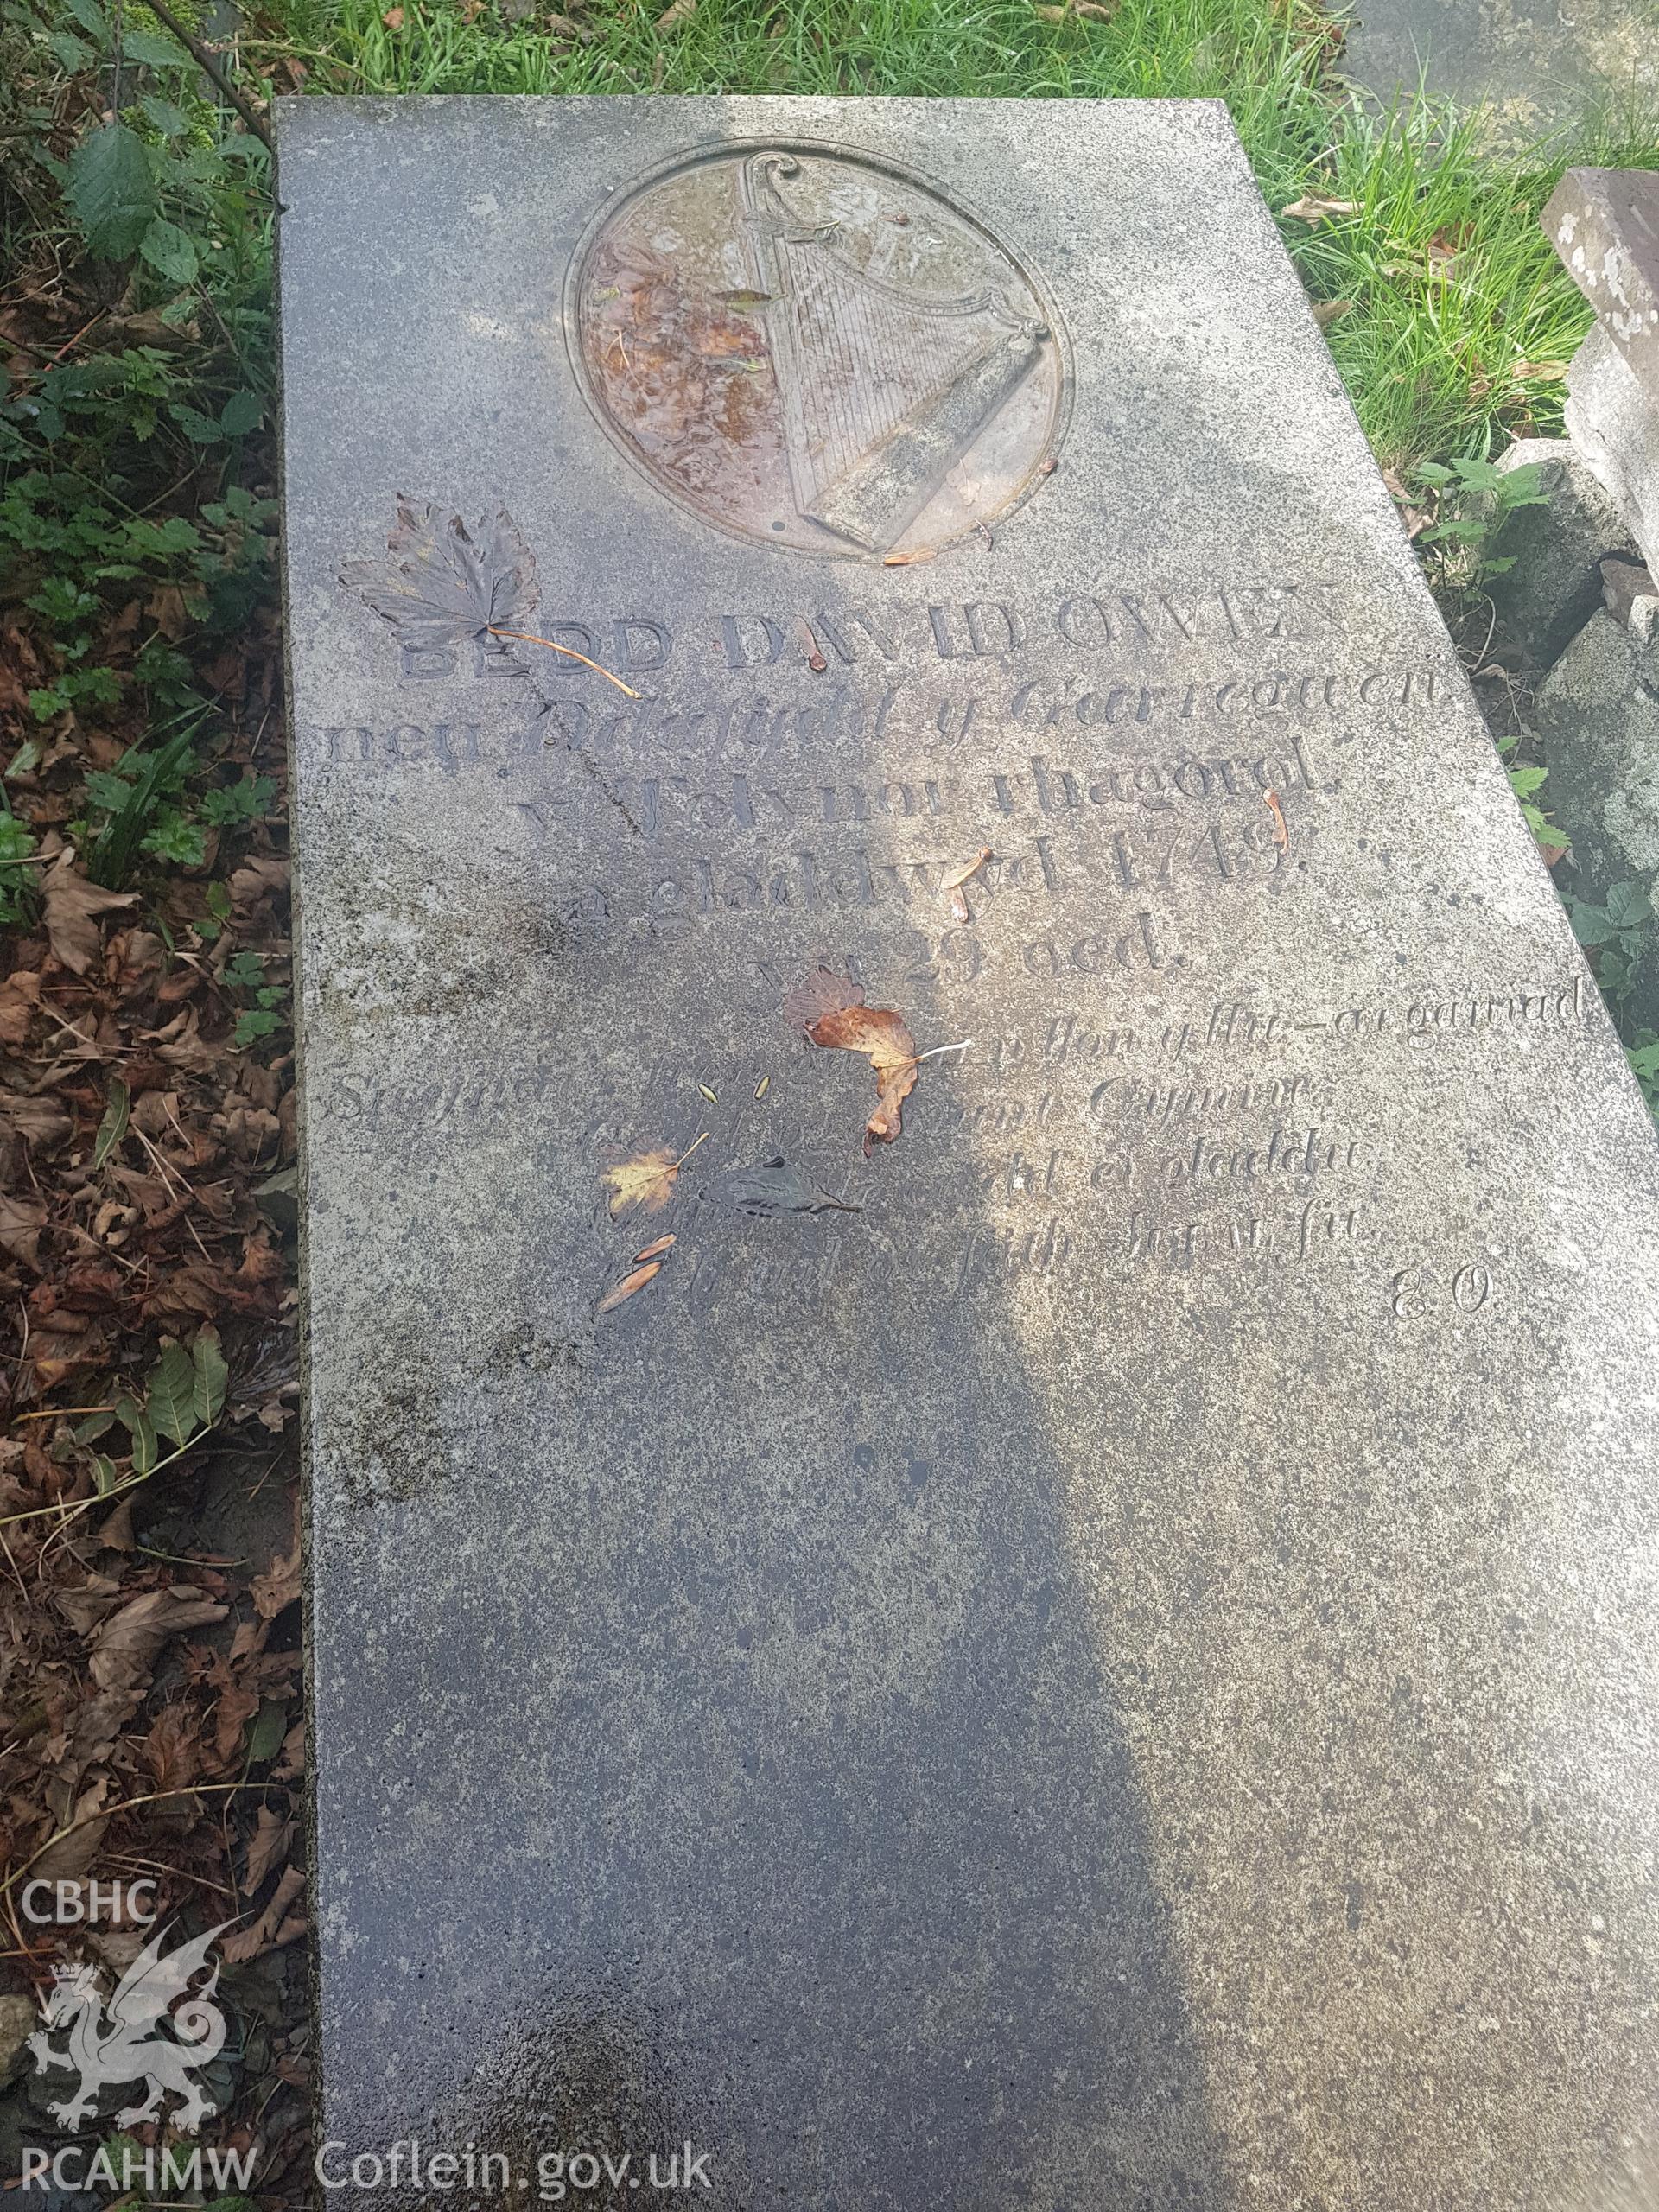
(815,353)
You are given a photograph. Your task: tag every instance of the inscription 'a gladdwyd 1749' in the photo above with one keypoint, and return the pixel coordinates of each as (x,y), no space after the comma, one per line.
(816,352)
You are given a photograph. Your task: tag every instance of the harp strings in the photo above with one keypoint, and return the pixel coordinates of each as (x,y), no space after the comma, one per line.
(868,358)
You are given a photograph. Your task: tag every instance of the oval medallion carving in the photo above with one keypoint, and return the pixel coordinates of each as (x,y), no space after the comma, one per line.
(809,349)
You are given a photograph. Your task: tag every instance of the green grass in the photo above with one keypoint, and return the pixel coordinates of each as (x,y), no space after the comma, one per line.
(1458,317)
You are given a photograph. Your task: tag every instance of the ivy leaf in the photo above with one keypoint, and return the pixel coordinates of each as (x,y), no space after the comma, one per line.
(172,1395)
(446,583)
(110,190)
(172,251)
(211,1375)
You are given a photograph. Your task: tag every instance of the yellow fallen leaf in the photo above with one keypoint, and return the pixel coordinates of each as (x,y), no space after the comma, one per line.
(647,1181)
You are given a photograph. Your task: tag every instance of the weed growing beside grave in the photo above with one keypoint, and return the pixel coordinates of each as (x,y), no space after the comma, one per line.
(146,1143)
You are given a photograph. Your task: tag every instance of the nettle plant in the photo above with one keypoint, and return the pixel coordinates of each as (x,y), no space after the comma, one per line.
(1527,781)
(1480,498)
(1618,932)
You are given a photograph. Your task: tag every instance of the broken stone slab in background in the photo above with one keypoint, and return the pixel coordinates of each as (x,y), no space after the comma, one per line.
(1605,224)
(1615,425)
(1554,584)
(1597,715)
(1525,67)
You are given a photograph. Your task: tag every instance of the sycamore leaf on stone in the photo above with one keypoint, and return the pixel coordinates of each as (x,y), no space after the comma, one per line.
(647,1181)
(445,582)
(830,1008)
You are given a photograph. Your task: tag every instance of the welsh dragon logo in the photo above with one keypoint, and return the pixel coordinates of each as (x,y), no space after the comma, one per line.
(117,2042)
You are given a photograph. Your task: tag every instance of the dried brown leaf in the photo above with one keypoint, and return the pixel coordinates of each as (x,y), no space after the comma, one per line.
(73,1854)
(1316,207)
(886,1040)
(21,1223)
(37,1121)
(680,11)
(270,1839)
(173,1749)
(627,1286)
(276,1925)
(654,1250)
(1325,312)
(124,1649)
(19,996)
(237,1706)
(954,876)
(822,993)
(71,907)
(274,1592)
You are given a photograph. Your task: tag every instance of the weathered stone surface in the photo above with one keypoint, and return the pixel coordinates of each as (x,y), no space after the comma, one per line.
(1598,711)
(1554,583)
(1533,65)
(1616,427)
(1606,226)
(1120,1672)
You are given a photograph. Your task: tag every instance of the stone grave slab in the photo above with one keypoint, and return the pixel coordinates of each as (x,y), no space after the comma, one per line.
(1083,1635)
